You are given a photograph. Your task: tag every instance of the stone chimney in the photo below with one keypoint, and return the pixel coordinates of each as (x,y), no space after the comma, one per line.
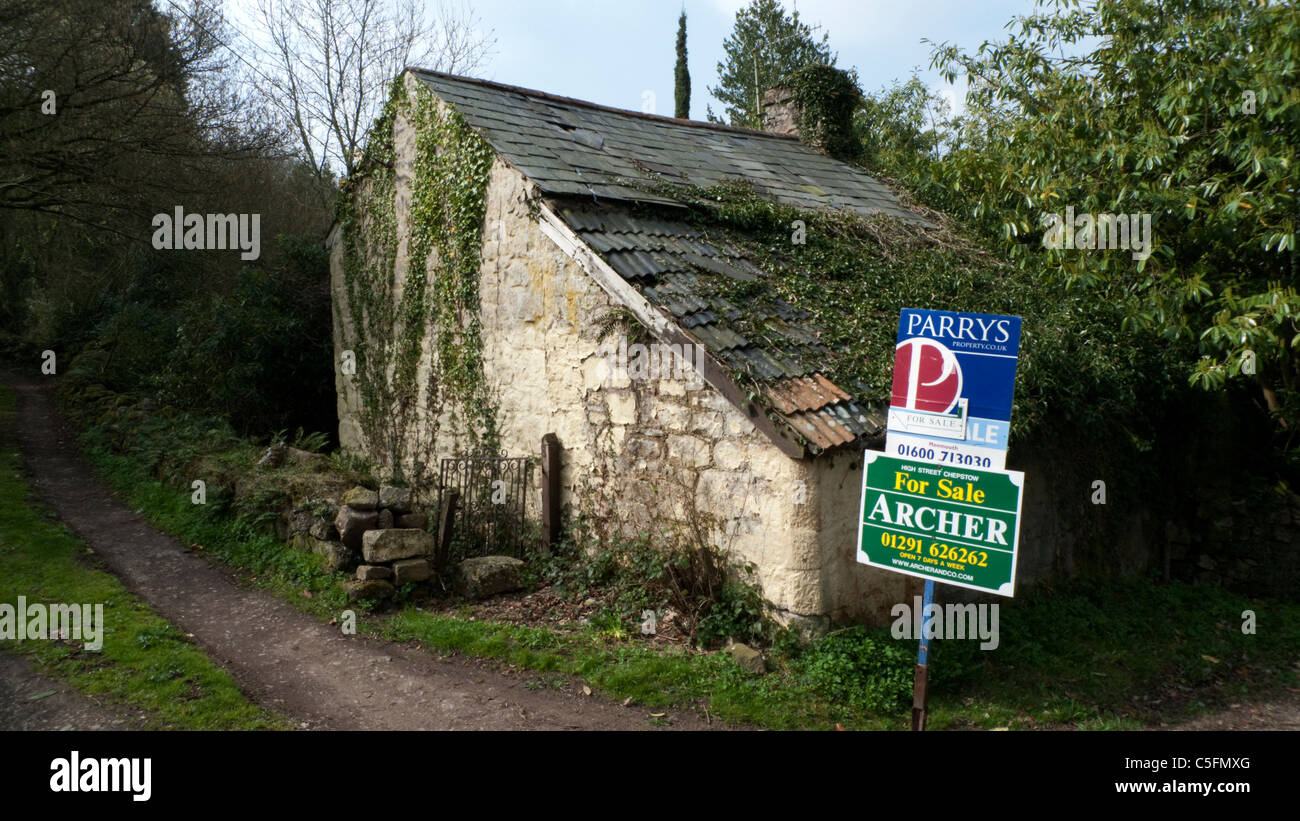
(830,95)
(780,111)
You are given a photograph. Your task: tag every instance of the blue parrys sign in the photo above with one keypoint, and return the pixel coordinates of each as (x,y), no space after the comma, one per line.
(954,377)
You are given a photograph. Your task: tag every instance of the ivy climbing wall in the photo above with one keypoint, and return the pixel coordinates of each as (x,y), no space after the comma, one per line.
(405,269)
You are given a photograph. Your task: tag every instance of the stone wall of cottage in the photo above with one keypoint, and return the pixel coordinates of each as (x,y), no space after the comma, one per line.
(661,454)
(348,395)
(853,592)
(667,456)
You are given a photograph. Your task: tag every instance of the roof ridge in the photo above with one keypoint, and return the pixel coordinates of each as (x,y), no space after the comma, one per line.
(532,92)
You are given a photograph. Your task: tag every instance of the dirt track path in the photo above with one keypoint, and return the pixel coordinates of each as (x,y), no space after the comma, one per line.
(1281,712)
(30,701)
(282,658)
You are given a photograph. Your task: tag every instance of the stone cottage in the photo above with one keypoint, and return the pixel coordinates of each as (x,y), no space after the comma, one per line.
(592,288)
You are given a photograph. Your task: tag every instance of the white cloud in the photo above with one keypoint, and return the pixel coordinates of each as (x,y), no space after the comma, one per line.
(955,95)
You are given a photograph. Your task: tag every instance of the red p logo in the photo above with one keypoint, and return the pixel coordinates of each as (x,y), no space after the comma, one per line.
(926,376)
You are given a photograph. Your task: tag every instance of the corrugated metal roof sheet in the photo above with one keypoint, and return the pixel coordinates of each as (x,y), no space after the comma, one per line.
(673,271)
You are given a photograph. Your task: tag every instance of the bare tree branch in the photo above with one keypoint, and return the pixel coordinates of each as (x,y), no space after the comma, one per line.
(332,61)
(107,105)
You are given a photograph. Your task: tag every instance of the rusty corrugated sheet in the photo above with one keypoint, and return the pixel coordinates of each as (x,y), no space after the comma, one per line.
(819,410)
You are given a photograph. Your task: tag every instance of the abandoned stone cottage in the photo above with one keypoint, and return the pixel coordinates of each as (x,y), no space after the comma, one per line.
(575,253)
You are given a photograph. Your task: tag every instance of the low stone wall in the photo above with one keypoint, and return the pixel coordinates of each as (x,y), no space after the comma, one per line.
(1247,544)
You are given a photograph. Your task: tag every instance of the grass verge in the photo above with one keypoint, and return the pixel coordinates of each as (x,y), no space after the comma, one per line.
(145,664)
(1088,655)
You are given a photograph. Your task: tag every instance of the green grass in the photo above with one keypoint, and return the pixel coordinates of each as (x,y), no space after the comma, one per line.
(627,668)
(1125,652)
(1119,654)
(145,665)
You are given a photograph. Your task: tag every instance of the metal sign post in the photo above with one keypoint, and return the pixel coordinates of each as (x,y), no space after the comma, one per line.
(922,677)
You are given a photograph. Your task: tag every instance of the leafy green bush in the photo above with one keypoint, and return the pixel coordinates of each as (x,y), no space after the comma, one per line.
(861,667)
(262,355)
(1185,112)
(256,350)
(739,613)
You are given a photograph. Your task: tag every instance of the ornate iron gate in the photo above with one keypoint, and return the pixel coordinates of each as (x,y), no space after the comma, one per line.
(491,509)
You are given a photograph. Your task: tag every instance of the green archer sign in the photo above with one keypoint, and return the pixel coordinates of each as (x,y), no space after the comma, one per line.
(950,524)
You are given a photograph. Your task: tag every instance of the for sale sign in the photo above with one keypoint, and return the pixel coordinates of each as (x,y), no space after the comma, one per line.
(954,525)
(954,377)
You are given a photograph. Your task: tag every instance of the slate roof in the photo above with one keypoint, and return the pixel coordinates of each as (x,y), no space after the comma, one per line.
(581,155)
(573,147)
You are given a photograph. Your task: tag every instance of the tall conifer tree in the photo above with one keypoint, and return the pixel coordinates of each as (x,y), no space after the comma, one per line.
(681,74)
(766,45)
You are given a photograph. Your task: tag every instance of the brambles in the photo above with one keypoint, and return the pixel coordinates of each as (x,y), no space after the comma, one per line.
(686,587)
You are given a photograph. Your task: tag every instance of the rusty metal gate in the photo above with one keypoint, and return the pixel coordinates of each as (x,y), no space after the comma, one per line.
(491,507)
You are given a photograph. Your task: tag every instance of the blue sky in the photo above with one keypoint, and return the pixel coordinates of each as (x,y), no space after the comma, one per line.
(613,51)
